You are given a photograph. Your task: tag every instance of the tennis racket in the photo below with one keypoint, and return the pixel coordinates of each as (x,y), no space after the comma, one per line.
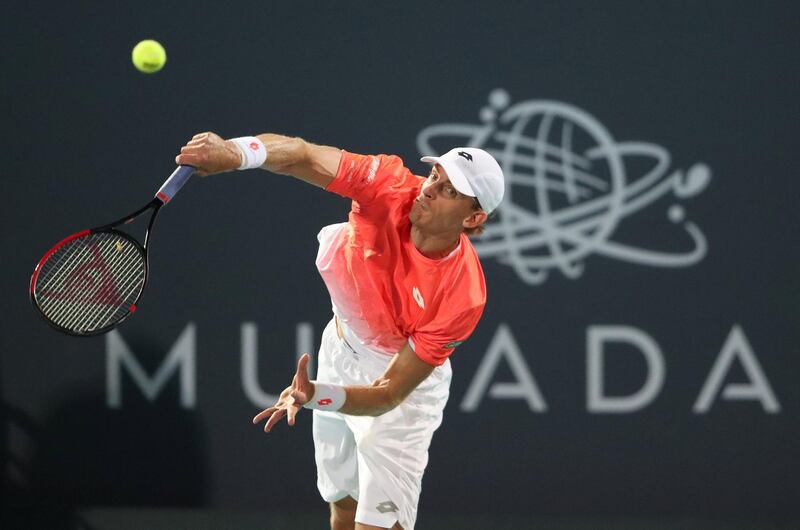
(91,281)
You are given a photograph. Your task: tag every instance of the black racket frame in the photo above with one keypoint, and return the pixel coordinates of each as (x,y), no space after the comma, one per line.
(154,204)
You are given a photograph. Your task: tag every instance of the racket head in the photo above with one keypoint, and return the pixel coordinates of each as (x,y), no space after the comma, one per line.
(89,282)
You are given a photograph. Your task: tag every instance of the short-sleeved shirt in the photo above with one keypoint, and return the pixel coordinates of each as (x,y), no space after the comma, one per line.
(381,286)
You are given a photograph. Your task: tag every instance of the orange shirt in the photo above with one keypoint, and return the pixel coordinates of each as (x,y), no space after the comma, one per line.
(382,288)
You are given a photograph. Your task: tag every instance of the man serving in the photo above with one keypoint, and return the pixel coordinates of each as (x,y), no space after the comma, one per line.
(406,288)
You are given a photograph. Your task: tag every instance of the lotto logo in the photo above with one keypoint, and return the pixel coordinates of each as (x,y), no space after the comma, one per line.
(418,297)
(386,507)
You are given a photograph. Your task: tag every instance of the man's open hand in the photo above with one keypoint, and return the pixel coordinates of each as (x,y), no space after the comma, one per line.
(291,399)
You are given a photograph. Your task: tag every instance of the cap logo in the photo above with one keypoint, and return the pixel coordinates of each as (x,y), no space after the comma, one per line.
(465,155)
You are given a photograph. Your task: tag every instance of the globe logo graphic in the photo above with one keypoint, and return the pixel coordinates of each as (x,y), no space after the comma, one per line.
(569,185)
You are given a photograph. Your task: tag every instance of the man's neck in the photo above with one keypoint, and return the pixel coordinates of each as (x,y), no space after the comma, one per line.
(434,246)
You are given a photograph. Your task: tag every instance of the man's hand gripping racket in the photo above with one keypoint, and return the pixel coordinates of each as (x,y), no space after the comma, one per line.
(91,281)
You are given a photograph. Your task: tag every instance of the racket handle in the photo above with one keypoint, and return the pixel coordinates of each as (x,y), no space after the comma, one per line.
(174,183)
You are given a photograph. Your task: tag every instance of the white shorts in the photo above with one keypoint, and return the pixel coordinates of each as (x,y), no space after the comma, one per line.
(378,461)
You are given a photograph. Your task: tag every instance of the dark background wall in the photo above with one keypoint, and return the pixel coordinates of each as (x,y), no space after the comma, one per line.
(710,87)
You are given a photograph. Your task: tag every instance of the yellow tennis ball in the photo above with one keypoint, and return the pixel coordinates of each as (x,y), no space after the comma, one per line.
(149,56)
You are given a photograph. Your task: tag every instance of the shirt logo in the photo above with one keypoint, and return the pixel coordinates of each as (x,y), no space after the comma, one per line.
(454,344)
(373,168)
(418,297)
(465,155)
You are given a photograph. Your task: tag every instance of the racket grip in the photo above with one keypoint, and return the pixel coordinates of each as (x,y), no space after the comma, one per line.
(174,183)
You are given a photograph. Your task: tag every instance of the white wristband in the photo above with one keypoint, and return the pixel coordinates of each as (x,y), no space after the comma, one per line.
(254,154)
(327,397)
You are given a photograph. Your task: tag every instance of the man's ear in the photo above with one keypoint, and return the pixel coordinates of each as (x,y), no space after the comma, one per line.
(476,218)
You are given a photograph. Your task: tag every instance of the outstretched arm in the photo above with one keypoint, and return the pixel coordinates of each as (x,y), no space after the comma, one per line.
(404,373)
(315,164)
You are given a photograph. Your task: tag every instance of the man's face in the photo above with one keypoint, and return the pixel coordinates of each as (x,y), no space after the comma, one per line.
(440,208)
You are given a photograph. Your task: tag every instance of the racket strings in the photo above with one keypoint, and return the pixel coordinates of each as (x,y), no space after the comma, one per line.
(106,299)
(90,282)
(58,292)
(91,296)
(74,282)
(133,277)
(64,264)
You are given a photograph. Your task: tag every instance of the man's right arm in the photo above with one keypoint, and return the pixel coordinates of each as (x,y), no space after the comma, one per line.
(315,164)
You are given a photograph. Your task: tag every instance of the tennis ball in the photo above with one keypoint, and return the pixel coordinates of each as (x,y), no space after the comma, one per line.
(149,56)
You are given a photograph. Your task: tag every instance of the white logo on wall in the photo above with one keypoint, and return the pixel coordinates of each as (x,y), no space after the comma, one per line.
(569,184)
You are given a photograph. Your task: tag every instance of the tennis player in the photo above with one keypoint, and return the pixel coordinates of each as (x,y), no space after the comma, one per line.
(406,288)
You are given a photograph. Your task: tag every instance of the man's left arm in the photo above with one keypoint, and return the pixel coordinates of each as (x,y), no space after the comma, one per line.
(404,373)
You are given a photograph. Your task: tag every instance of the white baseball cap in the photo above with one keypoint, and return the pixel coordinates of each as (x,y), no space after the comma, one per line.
(473,172)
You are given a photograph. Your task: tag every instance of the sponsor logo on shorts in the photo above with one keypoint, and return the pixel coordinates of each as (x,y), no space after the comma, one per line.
(326,401)
(386,507)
